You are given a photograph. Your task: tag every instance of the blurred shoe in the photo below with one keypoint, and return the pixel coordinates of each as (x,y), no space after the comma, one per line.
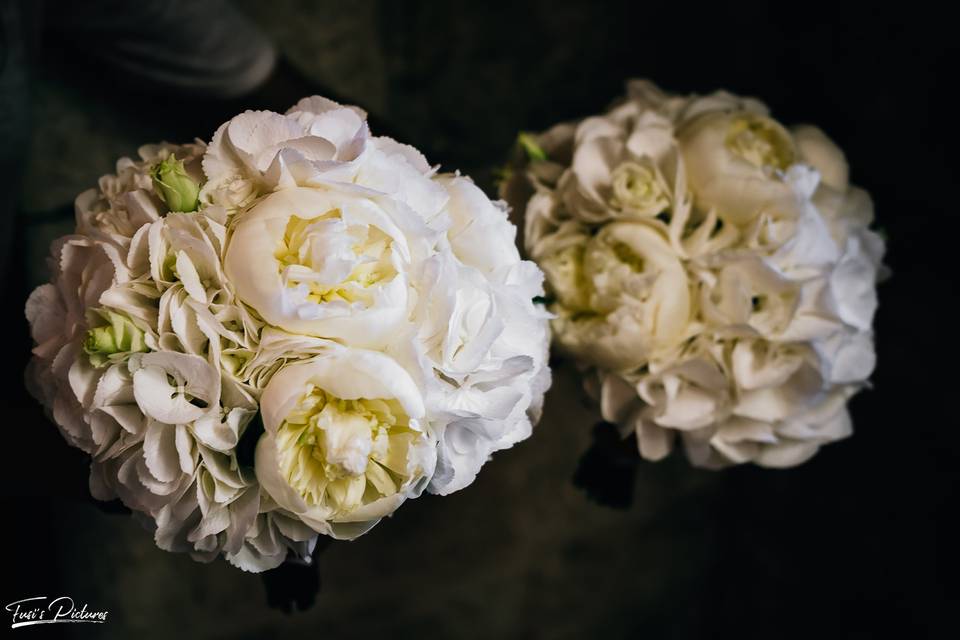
(206,49)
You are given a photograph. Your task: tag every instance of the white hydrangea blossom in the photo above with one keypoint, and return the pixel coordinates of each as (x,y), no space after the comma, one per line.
(712,272)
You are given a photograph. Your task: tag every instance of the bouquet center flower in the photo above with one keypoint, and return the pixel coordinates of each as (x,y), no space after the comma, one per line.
(344,453)
(322,263)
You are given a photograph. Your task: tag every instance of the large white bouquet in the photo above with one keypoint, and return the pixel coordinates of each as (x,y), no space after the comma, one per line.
(711,272)
(376,315)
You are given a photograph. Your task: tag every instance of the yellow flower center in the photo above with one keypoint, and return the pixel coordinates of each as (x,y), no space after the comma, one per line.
(760,141)
(344,453)
(333,260)
(638,189)
(626,255)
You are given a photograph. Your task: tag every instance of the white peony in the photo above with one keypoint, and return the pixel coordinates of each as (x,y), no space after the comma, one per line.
(712,271)
(325,264)
(622,292)
(346,440)
(377,316)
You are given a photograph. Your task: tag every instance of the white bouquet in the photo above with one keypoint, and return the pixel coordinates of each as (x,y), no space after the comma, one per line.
(711,272)
(375,314)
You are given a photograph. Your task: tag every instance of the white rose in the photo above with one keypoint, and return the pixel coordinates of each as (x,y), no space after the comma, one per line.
(622,294)
(322,263)
(345,440)
(736,162)
(615,171)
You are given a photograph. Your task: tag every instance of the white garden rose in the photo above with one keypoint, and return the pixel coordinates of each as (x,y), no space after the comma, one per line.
(322,263)
(615,172)
(711,271)
(346,440)
(622,293)
(376,315)
(736,162)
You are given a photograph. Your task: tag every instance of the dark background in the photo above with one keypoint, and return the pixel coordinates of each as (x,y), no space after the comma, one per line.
(854,544)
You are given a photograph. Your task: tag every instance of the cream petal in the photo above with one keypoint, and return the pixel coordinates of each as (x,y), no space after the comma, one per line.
(344,373)
(160,451)
(403,182)
(777,403)
(758,364)
(787,454)
(410,155)
(243,513)
(268,473)
(190,278)
(254,244)
(221,435)
(195,386)
(186,450)
(480,233)
(823,154)
(853,285)
(250,560)
(653,441)
(618,399)
(46,315)
(115,387)
(84,378)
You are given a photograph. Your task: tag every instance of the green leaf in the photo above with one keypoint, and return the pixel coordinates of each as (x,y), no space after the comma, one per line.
(529,144)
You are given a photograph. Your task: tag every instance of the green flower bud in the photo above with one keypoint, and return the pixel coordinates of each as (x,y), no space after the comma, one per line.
(534,151)
(177,189)
(115,341)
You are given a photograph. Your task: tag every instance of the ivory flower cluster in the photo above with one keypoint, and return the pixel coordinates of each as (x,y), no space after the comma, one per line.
(711,271)
(286,333)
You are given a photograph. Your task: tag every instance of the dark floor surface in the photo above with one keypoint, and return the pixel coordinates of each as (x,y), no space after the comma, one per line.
(854,544)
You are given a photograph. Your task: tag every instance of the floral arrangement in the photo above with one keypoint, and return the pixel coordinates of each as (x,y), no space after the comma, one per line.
(711,272)
(286,333)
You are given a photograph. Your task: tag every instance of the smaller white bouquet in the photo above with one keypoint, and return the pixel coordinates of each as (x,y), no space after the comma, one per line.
(711,271)
(374,314)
